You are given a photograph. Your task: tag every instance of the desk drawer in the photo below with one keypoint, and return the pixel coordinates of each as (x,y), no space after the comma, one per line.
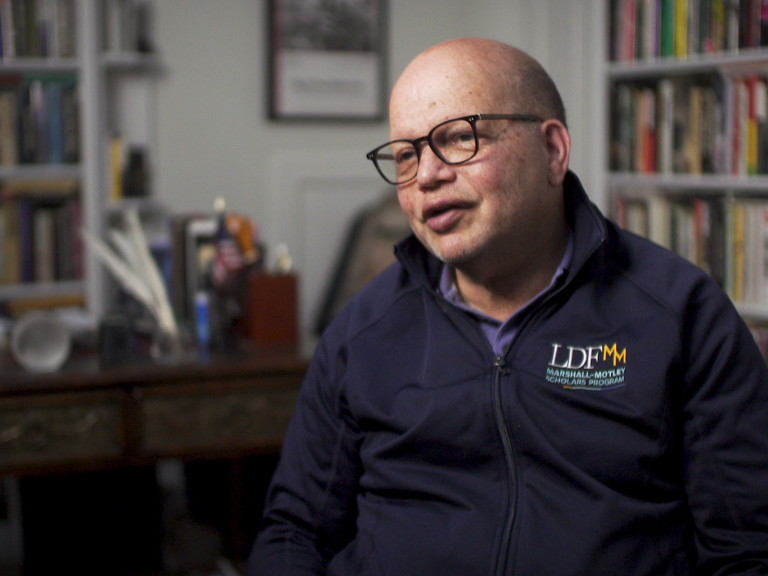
(59,429)
(210,417)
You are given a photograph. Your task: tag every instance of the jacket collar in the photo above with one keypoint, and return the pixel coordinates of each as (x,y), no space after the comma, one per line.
(586,221)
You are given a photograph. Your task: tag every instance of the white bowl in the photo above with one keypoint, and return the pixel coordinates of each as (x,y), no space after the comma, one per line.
(39,342)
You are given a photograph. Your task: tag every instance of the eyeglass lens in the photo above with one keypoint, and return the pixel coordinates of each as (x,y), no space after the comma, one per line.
(453,142)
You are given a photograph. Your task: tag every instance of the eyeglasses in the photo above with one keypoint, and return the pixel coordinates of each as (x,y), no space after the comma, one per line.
(453,141)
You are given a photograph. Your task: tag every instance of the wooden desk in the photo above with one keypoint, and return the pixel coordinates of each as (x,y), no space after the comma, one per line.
(84,422)
(85,418)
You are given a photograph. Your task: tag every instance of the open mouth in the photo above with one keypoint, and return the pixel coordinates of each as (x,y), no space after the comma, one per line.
(440,216)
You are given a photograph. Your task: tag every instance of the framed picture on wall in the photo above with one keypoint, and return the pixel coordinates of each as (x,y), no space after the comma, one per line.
(326,59)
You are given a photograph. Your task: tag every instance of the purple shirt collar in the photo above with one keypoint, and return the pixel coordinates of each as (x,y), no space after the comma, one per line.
(500,334)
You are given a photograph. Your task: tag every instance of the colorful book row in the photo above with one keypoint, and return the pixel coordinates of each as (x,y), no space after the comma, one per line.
(39,231)
(726,236)
(37,29)
(649,29)
(39,119)
(706,124)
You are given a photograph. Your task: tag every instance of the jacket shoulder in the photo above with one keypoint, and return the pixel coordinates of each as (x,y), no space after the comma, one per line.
(373,302)
(664,276)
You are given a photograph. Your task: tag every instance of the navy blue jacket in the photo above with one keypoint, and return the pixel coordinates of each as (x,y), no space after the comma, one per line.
(624,431)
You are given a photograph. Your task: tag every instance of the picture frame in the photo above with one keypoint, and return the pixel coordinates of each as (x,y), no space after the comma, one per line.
(327,60)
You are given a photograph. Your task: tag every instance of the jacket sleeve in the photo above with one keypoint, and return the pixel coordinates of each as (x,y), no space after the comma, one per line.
(724,425)
(310,509)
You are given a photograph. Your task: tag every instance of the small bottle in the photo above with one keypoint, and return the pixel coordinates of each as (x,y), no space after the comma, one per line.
(135,175)
(202,319)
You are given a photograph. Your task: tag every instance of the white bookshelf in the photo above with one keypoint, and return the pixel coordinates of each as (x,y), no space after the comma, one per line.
(647,71)
(99,76)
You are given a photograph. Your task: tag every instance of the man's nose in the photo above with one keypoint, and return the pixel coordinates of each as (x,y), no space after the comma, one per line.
(432,169)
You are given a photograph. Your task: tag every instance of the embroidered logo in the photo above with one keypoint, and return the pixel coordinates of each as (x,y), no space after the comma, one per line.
(587,368)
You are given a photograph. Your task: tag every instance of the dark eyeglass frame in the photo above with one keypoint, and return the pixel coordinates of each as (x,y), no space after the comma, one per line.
(471,119)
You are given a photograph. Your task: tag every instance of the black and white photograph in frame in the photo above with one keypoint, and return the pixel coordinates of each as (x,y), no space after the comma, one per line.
(326,59)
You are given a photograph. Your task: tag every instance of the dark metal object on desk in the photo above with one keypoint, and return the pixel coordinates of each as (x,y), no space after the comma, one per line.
(117,343)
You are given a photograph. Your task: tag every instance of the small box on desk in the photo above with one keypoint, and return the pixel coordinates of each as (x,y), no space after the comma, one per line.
(269,309)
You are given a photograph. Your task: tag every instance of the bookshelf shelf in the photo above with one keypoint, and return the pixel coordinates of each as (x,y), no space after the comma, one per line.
(41,171)
(138,204)
(32,290)
(732,62)
(16,65)
(690,183)
(757,312)
(130,61)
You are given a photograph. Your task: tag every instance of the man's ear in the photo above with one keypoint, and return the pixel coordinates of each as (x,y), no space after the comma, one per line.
(557,142)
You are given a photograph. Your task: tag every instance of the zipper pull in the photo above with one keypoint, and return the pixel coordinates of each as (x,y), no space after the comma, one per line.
(501,365)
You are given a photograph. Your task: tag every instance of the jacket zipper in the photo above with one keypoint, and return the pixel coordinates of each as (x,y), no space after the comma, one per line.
(509,456)
(500,369)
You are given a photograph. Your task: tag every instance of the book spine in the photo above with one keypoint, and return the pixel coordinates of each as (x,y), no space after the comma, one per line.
(681,29)
(665,125)
(54,122)
(667,27)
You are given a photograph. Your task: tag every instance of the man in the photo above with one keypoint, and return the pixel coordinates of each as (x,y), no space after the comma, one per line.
(531,390)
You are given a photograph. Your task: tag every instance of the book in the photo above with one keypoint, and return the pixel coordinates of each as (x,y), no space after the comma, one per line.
(10,269)
(659,220)
(66,27)
(43,244)
(667,26)
(680,127)
(665,127)
(45,237)
(764,23)
(623,143)
(70,121)
(761,118)
(6,30)
(47,122)
(732,24)
(717,243)
(693,137)
(636,219)
(681,29)
(717,25)
(115,168)
(54,122)
(650,27)
(629,17)
(693,27)
(9,129)
(737,251)
(645,131)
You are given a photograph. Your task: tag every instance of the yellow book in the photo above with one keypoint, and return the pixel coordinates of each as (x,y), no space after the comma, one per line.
(681,29)
(738,252)
(116,169)
(10,267)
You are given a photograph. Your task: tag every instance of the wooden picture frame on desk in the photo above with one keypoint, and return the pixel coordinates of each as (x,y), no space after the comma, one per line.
(327,60)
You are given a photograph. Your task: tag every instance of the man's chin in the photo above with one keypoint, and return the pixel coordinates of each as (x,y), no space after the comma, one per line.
(451,254)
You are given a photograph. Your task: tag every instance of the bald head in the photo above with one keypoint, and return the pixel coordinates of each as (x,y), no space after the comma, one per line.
(506,77)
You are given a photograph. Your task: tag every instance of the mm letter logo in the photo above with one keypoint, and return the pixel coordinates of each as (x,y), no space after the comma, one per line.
(617,356)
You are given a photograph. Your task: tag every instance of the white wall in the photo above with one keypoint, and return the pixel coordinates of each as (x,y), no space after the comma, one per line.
(302,181)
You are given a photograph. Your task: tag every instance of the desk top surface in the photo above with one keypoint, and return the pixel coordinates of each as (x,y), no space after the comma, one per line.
(82,370)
